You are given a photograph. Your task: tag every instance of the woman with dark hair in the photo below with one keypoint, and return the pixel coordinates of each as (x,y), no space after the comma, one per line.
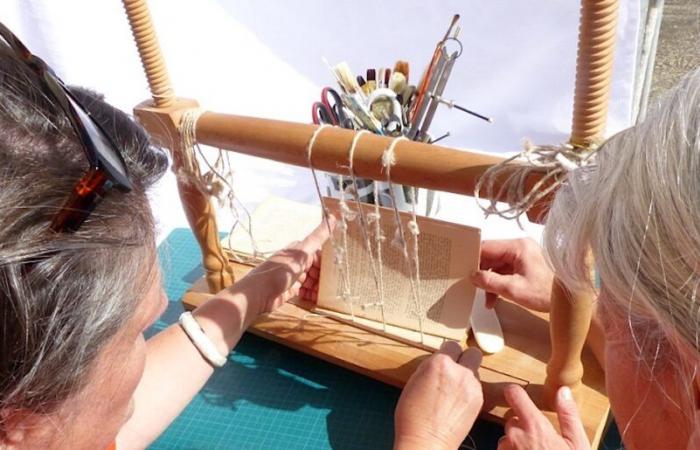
(78,286)
(79,279)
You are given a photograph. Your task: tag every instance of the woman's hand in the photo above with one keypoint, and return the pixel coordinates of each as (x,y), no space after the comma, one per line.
(515,269)
(440,402)
(293,271)
(529,429)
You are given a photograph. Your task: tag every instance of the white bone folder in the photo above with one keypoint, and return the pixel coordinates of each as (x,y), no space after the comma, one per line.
(485,325)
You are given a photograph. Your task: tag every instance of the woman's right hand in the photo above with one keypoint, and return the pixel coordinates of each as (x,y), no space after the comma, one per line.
(515,269)
(441,401)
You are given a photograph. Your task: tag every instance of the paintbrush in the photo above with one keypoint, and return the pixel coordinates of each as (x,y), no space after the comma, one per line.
(402,67)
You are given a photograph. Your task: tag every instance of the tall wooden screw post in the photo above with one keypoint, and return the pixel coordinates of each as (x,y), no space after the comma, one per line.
(162,118)
(571,313)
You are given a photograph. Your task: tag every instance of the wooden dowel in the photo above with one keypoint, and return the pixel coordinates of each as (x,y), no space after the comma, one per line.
(418,164)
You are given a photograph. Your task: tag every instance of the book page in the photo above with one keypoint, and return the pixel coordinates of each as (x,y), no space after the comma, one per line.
(448,254)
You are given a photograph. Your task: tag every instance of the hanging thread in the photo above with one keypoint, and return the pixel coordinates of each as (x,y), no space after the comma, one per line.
(555,162)
(379,238)
(375,263)
(339,251)
(388,161)
(216,183)
(188,172)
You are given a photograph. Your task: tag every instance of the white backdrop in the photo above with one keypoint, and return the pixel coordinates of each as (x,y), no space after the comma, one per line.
(264,59)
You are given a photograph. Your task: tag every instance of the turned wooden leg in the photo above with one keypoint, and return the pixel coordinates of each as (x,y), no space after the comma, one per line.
(569,322)
(202,218)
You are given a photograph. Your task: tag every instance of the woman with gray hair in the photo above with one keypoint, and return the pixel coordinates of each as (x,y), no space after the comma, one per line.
(638,210)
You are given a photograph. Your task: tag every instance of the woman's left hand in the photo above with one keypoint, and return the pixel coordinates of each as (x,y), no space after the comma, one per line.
(291,272)
(529,429)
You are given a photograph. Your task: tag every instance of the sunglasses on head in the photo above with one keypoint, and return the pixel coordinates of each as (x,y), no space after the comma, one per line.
(107,169)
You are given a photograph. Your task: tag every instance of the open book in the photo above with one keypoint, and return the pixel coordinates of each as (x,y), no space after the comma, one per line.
(448,254)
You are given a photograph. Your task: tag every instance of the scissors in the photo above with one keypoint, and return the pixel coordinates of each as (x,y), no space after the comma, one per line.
(330,110)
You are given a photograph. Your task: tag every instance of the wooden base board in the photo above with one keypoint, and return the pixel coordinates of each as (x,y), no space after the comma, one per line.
(429,342)
(523,360)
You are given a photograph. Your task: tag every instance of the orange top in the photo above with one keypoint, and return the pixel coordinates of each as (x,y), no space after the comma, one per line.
(112,446)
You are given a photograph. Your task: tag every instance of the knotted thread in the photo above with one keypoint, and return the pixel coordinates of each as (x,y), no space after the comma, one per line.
(216,183)
(388,161)
(188,172)
(375,262)
(340,251)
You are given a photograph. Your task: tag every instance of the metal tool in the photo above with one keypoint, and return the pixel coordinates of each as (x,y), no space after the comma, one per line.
(451,104)
(433,83)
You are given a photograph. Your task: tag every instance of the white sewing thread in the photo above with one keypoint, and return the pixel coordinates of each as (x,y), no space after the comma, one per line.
(339,251)
(389,160)
(217,182)
(415,231)
(188,172)
(375,263)
(309,149)
(346,215)
(555,160)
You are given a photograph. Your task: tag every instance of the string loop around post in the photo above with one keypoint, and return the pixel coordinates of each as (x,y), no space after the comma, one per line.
(216,183)
(550,163)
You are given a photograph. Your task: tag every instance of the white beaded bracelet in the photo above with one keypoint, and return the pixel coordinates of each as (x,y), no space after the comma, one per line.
(200,340)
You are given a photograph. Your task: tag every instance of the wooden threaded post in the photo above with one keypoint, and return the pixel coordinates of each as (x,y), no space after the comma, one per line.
(149,50)
(593,70)
(165,114)
(571,314)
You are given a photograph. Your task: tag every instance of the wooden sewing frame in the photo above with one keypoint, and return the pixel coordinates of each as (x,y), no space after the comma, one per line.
(542,351)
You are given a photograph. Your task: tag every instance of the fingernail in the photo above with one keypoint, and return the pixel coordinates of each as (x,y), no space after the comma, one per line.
(565,393)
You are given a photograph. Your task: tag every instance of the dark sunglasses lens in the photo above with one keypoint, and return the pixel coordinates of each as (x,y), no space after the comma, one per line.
(104,147)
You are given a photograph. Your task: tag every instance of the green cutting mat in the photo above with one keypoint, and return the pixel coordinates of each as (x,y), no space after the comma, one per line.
(270,397)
